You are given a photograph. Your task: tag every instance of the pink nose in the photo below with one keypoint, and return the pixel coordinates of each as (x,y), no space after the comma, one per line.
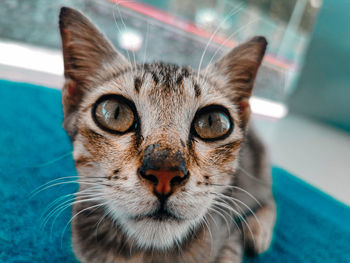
(163,180)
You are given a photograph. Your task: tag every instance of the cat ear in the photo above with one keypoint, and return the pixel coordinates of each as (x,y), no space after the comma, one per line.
(88,56)
(239,67)
(89,59)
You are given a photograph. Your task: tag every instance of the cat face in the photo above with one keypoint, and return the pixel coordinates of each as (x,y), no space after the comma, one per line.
(154,143)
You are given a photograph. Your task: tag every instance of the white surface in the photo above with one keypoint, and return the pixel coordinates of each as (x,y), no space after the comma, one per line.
(316,153)
(31,57)
(31,76)
(268,108)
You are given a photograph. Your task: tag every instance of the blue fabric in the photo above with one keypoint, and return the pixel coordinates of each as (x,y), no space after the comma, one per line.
(311,226)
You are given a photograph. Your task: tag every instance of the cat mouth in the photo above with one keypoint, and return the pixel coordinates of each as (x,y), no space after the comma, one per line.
(161,214)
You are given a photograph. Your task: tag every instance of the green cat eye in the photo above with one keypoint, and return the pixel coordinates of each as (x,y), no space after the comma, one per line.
(212,123)
(114,114)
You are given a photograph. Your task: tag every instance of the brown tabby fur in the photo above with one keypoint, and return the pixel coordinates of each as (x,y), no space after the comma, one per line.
(226,205)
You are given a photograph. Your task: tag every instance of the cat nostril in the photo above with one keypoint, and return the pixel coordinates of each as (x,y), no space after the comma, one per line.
(178,179)
(163,181)
(150,177)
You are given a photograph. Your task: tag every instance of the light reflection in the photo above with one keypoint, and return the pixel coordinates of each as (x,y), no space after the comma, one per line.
(130,39)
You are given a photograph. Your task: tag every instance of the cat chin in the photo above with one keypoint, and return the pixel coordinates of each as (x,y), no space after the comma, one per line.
(158,234)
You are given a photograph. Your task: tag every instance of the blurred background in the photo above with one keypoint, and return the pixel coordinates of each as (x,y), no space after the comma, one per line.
(301,102)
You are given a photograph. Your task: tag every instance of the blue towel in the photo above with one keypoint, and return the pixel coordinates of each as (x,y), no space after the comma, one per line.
(311,226)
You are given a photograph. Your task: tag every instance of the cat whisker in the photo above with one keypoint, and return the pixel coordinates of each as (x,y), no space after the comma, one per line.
(217,210)
(206,223)
(34,192)
(74,195)
(72,201)
(233,220)
(121,18)
(227,39)
(232,12)
(91,191)
(226,212)
(46,217)
(82,211)
(220,212)
(51,161)
(146,46)
(61,207)
(132,243)
(212,218)
(177,244)
(240,189)
(75,182)
(118,28)
(224,217)
(240,216)
(115,6)
(234,200)
(105,214)
(263,182)
(236,214)
(224,200)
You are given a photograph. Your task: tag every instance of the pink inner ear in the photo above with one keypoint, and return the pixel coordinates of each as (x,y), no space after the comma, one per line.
(71,89)
(73,94)
(244,110)
(244,104)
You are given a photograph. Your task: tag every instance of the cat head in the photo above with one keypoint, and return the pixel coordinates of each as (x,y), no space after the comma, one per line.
(154,144)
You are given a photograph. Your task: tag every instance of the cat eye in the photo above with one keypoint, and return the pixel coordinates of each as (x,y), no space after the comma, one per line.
(212,123)
(115,114)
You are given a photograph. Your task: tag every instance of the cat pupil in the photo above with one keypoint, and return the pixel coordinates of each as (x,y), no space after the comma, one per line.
(210,120)
(117,111)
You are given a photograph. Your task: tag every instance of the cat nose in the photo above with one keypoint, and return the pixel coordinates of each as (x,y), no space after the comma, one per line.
(163,181)
(163,169)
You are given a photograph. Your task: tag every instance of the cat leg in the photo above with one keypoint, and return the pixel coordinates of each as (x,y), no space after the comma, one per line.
(232,251)
(258,237)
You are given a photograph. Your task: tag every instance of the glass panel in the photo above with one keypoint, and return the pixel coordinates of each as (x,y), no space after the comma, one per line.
(181,31)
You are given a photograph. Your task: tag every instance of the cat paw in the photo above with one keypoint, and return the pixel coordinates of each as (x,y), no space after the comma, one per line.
(258,241)
(258,235)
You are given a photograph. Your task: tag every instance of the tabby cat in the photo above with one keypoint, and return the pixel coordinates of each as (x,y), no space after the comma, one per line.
(169,170)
